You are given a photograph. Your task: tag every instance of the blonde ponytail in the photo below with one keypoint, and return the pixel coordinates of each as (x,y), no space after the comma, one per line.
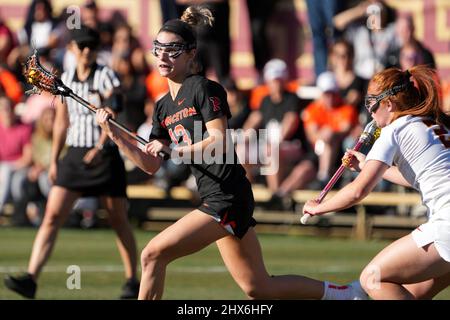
(197,16)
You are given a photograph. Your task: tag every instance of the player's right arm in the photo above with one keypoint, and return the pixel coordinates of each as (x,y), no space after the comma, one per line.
(59,136)
(147,162)
(392,174)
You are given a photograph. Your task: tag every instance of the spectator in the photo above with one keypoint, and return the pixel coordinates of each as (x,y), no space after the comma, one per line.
(36,34)
(320,17)
(89,14)
(328,121)
(59,39)
(260,12)
(405,36)
(15,153)
(258,93)
(410,56)
(279,114)
(121,44)
(124,43)
(37,184)
(134,94)
(238,103)
(370,43)
(351,86)
(106,32)
(38,25)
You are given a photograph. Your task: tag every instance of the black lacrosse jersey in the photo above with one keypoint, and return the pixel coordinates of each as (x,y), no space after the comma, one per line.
(183,120)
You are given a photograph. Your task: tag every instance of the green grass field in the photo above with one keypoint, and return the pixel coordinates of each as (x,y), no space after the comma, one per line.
(199,276)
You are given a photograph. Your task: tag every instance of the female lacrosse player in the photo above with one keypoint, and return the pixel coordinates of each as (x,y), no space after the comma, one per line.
(193,115)
(413,150)
(91,166)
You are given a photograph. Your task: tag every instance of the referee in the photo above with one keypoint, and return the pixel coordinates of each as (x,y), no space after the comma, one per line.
(92,166)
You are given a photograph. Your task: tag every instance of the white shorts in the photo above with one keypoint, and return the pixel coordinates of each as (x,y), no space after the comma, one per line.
(435,231)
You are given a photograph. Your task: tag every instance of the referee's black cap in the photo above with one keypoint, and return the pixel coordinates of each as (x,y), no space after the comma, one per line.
(85,35)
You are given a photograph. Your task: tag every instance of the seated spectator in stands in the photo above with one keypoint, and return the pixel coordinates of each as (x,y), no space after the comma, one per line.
(37,185)
(121,44)
(15,153)
(328,121)
(39,25)
(258,93)
(125,43)
(36,34)
(60,39)
(106,31)
(370,43)
(410,56)
(279,114)
(134,94)
(238,103)
(351,86)
(405,37)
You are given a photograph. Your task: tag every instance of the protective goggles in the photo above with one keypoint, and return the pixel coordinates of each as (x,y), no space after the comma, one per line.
(173,49)
(372,102)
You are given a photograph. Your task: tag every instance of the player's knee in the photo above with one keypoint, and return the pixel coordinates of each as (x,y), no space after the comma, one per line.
(368,280)
(151,255)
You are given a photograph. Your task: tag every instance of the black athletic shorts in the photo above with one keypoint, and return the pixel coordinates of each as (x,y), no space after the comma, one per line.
(233,212)
(104,177)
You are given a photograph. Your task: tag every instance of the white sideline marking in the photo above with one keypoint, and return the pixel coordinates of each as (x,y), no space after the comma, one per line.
(113,268)
(212,269)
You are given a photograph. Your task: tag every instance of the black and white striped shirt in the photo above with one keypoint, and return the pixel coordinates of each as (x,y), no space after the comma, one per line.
(100,85)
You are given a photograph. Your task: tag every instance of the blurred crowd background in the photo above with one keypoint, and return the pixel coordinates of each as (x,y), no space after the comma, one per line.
(296,68)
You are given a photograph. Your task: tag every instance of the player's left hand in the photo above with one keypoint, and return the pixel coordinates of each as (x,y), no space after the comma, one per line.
(154,147)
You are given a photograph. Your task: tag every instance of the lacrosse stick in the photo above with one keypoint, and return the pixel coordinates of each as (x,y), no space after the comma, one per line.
(370,134)
(44,80)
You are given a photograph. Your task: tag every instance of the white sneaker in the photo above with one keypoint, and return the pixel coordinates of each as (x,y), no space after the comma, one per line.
(357,292)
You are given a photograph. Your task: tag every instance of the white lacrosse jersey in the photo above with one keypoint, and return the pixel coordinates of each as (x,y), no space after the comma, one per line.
(421,150)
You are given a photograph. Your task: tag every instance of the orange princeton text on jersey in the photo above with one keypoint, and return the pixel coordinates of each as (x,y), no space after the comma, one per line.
(178,116)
